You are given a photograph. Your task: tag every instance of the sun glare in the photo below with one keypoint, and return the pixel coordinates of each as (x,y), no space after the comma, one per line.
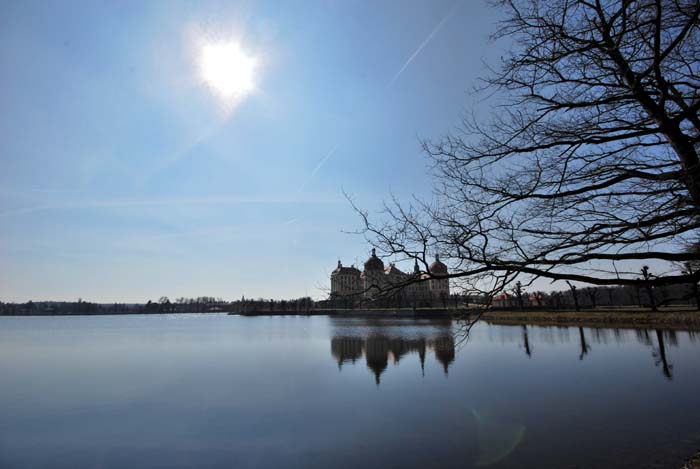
(227,70)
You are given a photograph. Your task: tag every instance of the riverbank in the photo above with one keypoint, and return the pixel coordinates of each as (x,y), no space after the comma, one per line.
(686,319)
(630,318)
(670,319)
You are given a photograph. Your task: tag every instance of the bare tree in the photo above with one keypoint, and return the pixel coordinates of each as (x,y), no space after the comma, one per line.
(519,294)
(689,268)
(574,294)
(592,294)
(589,164)
(646,275)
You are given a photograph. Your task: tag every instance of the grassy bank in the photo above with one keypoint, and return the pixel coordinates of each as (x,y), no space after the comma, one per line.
(667,319)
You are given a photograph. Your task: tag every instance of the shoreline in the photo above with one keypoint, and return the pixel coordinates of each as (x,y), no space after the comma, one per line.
(666,319)
(687,320)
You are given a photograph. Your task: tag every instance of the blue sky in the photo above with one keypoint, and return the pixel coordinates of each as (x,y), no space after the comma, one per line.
(124,177)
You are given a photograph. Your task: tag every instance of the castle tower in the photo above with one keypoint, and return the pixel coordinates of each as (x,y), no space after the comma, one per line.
(345,281)
(439,287)
(373,276)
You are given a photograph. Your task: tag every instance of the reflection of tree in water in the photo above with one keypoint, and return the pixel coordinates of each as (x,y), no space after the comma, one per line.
(659,353)
(528,347)
(585,348)
(378,348)
(643,336)
(526,342)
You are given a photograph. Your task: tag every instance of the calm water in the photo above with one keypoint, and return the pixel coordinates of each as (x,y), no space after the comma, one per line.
(228,392)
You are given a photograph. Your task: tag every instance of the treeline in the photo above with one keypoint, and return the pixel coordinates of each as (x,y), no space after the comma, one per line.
(593,297)
(42,308)
(202,304)
(300,305)
(69,308)
(517,297)
(206,304)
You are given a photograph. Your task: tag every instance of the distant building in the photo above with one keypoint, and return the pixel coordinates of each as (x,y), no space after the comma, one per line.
(376,279)
(346,281)
(504,300)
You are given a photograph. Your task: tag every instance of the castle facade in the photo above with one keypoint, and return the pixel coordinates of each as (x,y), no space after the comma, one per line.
(377,279)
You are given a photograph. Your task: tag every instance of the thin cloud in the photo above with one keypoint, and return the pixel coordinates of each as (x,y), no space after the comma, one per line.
(432,34)
(178,201)
(318,167)
(193,233)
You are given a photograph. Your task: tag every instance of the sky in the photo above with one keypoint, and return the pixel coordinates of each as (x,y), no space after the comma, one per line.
(127,176)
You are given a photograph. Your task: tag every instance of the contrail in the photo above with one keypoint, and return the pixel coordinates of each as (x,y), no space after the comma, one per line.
(425,42)
(318,167)
(435,30)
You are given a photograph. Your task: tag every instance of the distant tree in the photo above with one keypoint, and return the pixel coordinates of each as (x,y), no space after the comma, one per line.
(592,294)
(518,290)
(556,299)
(539,297)
(164,305)
(690,268)
(694,289)
(646,275)
(574,294)
(151,307)
(611,301)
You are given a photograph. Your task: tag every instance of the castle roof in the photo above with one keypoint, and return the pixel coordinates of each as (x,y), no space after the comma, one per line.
(374,263)
(438,267)
(392,269)
(341,270)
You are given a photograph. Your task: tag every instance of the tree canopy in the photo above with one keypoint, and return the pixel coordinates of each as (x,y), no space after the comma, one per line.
(588,165)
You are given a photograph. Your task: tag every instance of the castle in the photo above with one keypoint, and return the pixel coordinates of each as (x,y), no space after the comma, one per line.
(377,279)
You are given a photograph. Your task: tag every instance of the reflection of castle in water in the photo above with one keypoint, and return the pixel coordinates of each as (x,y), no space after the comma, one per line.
(378,349)
(381,341)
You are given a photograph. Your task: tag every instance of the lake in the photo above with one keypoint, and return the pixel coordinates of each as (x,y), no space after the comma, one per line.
(217,391)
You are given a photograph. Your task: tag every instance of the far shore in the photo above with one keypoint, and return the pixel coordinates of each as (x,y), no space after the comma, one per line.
(627,317)
(667,319)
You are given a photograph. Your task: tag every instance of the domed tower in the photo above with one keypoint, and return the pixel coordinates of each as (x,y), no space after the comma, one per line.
(373,276)
(439,287)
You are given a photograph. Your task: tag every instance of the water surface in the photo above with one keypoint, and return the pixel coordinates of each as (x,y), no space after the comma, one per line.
(216,391)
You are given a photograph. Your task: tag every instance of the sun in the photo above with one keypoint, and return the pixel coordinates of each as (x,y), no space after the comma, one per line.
(227,69)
